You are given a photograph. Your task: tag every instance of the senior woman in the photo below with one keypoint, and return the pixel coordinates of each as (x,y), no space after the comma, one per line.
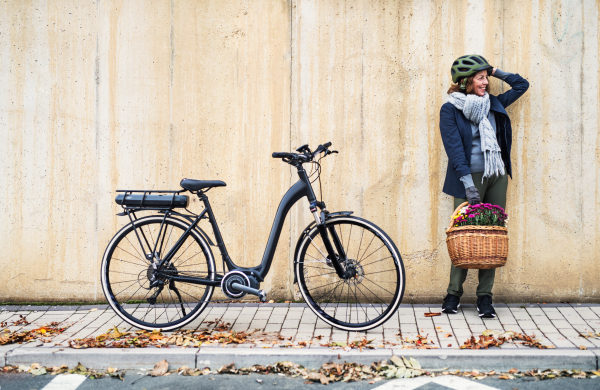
(477,136)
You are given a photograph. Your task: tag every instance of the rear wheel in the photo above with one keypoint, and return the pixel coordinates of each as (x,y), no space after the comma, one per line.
(374,284)
(134,289)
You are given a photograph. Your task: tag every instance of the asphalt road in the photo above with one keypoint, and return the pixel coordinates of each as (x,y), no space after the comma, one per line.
(248,382)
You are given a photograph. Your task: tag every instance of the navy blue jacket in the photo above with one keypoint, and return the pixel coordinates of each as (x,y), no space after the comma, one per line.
(457,135)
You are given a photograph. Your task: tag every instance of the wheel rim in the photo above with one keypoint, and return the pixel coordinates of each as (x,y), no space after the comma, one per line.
(374,291)
(126,273)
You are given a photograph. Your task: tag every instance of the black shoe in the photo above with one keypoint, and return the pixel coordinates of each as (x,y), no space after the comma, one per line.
(484,307)
(451,304)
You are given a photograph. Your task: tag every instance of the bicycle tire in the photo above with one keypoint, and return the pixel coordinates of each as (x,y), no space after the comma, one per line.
(123,256)
(323,290)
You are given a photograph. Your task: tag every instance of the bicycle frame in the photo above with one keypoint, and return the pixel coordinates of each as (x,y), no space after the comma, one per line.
(302,188)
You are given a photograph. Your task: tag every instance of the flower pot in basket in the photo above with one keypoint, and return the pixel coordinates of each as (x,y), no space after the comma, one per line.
(477,246)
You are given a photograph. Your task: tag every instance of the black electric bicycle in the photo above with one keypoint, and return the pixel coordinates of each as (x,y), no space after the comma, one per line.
(158,272)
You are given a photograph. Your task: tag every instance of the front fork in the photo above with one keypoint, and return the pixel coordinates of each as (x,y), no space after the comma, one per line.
(341,255)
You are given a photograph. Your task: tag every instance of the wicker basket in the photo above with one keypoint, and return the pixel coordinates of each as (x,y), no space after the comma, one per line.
(480,247)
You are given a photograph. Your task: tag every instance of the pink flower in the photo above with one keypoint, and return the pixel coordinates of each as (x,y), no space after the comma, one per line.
(471,216)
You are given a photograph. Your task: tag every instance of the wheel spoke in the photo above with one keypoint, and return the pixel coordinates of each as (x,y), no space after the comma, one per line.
(372,253)
(141,257)
(389,292)
(119,293)
(125,261)
(313,244)
(188,259)
(377,261)
(367,298)
(358,303)
(359,245)
(126,273)
(316,276)
(125,281)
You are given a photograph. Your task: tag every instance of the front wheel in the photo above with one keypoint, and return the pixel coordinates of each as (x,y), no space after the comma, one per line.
(373,287)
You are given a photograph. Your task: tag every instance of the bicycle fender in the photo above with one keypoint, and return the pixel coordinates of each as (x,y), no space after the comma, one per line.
(308,229)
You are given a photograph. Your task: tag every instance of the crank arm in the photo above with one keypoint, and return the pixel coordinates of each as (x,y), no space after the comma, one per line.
(259,293)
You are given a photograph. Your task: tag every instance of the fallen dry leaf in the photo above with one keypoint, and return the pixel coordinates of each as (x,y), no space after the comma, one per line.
(432,314)
(583,347)
(160,368)
(228,369)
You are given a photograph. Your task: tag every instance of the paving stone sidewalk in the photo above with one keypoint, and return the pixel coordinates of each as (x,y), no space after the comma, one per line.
(557,325)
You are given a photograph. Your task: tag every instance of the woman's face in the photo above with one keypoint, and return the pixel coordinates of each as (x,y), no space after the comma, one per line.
(480,82)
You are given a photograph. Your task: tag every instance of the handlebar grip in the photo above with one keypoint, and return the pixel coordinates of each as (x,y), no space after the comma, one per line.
(281,154)
(328,144)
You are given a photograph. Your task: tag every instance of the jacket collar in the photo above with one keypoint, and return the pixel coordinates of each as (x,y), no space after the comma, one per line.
(495,105)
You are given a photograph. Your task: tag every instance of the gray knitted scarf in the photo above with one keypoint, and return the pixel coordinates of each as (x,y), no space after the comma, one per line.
(476,109)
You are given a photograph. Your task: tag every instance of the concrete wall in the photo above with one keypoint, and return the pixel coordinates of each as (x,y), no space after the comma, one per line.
(113,94)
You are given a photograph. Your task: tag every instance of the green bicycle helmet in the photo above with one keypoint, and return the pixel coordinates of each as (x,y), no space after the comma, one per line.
(468,65)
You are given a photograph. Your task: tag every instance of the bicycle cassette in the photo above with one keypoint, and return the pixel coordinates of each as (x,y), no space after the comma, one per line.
(231,278)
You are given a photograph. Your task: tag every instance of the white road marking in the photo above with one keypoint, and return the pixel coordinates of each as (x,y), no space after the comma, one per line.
(453,382)
(65,382)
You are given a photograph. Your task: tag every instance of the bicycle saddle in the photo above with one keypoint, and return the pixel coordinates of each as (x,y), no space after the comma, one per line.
(195,185)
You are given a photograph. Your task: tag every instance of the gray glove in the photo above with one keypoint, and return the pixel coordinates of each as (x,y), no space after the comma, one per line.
(473,195)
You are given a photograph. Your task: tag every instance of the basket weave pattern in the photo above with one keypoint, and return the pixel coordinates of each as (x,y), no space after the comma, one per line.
(480,247)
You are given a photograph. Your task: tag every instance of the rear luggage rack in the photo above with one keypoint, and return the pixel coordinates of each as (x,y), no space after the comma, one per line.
(135,200)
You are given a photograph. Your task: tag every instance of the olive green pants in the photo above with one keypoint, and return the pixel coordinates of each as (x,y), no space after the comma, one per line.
(492,191)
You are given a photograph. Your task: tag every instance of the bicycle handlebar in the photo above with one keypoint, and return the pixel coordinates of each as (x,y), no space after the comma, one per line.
(306,156)
(282,154)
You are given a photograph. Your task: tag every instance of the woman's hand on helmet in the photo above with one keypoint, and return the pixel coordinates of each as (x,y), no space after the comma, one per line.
(473,195)
(491,71)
